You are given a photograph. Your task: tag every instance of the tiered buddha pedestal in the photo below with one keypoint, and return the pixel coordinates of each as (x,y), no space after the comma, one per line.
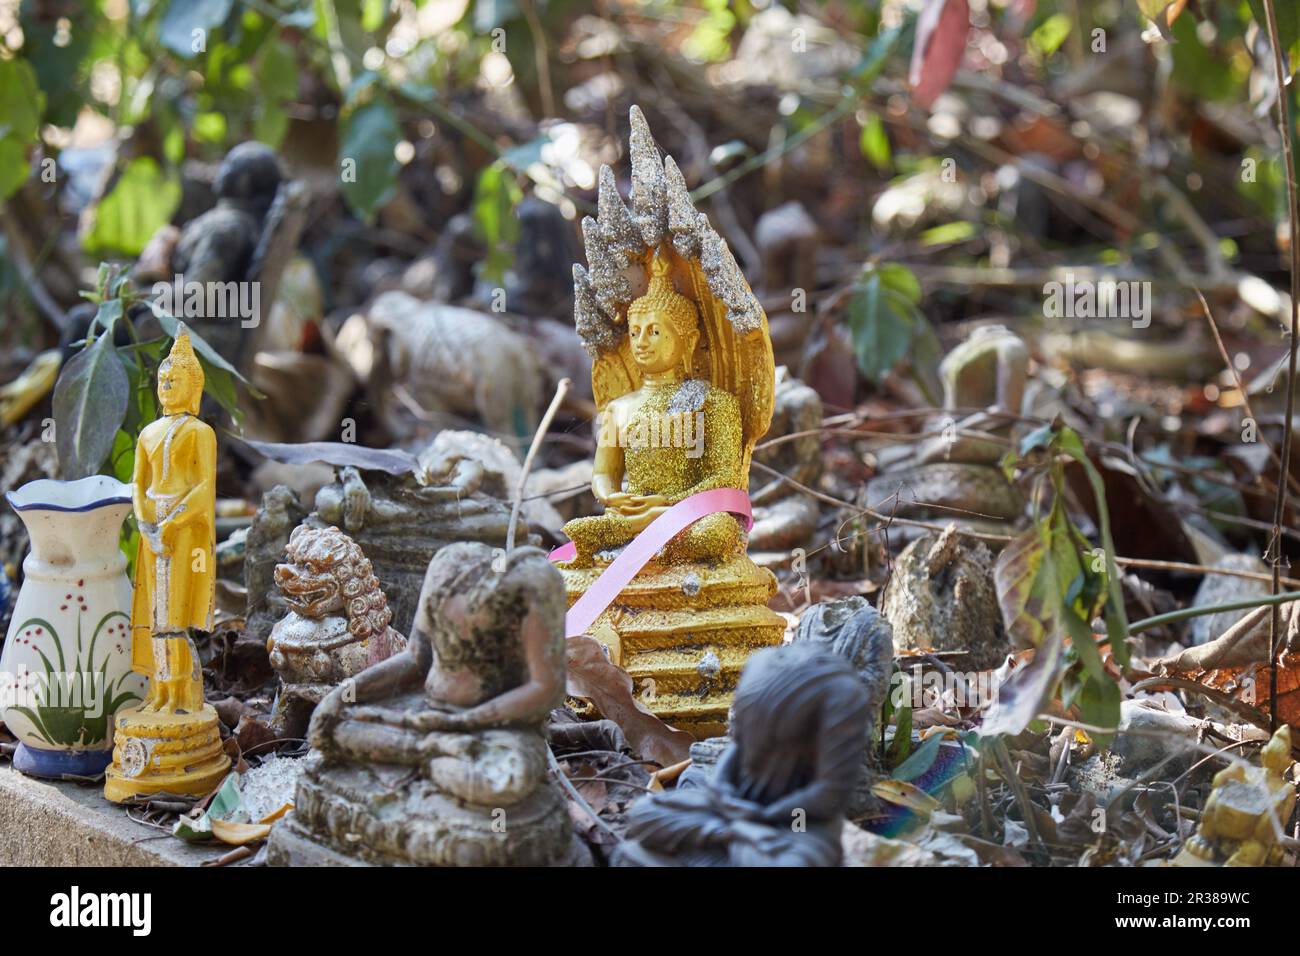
(165,753)
(684,632)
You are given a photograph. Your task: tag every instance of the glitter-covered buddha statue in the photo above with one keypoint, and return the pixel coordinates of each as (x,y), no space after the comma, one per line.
(673,437)
(683,376)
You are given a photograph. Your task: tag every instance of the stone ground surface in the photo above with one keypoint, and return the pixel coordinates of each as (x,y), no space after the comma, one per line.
(43,823)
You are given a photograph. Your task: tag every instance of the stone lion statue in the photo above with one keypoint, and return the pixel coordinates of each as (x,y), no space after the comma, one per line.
(338,623)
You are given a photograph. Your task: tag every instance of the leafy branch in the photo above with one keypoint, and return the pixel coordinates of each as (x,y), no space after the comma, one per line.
(1051,585)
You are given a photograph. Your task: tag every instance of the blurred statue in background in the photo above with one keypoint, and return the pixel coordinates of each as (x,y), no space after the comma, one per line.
(785,517)
(956,475)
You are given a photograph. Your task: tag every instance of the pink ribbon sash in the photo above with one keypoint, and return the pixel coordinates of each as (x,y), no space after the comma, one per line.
(643,547)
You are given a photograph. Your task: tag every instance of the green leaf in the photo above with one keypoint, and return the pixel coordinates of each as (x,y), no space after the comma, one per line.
(21,104)
(278,74)
(57,55)
(110,310)
(927,354)
(220,384)
(902,280)
(143,200)
(183,17)
(1099,706)
(877,56)
(121,460)
(13,165)
(881,324)
(901,745)
(874,143)
(90,399)
(949,232)
(1198,71)
(1040,437)
(209,127)
(921,760)
(20,100)
(369,166)
(206,353)
(1050,34)
(271,123)
(1028,593)
(1114,613)
(1288,21)
(372,14)
(496,194)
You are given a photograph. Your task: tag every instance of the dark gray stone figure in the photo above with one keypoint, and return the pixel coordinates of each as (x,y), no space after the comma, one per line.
(780,793)
(540,280)
(218,246)
(856,631)
(247,237)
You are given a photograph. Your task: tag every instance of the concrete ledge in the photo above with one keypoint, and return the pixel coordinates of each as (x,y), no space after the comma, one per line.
(43,823)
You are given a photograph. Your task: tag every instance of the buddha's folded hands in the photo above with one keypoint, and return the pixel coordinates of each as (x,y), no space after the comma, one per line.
(634,505)
(424,721)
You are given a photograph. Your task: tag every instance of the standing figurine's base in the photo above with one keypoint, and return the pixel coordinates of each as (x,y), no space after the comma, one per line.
(57,764)
(166,753)
(684,632)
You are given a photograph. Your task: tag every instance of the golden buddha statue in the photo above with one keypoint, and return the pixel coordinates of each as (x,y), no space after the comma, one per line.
(172,742)
(683,377)
(688,415)
(1246,812)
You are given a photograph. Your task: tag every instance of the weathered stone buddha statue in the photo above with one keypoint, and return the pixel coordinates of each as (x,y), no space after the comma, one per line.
(779,794)
(437,756)
(337,625)
(955,476)
(1246,813)
(172,742)
(683,377)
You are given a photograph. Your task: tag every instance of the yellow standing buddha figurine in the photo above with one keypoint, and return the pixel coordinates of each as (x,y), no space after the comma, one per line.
(684,379)
(172,742)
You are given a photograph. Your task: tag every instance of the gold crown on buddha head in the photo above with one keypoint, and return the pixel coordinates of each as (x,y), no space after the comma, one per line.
(184,366)
(662,299)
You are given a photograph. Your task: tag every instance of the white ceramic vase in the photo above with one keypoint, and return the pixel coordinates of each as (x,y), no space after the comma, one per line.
(66,666)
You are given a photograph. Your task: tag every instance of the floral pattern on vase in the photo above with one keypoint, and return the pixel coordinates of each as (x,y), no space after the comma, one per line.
(66,666)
